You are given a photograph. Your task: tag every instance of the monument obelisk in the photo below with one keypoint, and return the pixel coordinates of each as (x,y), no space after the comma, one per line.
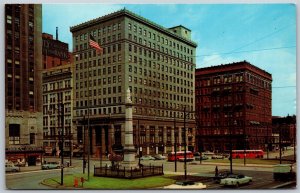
(129,149)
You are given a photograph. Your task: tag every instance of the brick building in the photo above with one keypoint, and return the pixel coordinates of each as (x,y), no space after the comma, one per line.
(55,52)
(57,90)
(23,93)
(233,105)
(285,128)
(156,63)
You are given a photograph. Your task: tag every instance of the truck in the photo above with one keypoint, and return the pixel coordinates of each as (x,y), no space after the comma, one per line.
(284,172)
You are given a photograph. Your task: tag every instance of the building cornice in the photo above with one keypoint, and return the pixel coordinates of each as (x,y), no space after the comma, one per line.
(127,13)
(223,68)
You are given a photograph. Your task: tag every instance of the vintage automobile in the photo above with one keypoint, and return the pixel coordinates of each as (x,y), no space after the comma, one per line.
(199,156)
(147,157)
(235,180)
(9,167)
(221,176)
(51,165)
(159,157)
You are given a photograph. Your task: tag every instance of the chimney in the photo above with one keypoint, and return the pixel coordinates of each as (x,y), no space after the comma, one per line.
(56,33)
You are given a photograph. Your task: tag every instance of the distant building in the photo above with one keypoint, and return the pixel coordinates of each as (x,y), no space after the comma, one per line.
(55,52)
(233,105)
(157,64)
(57,91)
(285,130)
(23,77)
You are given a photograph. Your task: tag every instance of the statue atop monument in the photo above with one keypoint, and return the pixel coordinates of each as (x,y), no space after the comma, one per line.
(128,96)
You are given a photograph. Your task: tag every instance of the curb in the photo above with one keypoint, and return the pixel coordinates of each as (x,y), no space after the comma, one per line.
(284,184)
(225,164)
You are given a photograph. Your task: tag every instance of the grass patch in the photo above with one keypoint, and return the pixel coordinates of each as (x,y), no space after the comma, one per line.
(112,183)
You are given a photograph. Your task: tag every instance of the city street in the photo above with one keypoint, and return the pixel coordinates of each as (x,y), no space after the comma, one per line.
(262,175)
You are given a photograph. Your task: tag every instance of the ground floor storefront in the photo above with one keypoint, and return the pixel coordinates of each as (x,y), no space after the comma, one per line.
(24,156)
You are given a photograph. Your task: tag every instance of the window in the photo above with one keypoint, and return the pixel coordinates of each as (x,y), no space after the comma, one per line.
(32,138)
(14,134)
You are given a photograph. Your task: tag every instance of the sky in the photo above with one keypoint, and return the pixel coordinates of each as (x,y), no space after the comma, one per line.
(262,34)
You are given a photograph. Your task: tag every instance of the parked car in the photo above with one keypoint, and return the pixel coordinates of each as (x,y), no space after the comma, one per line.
(51,165)
(217,157)
(9,167)
(221,176)
(235,180)
(159,157)
(199,156)
(147,157)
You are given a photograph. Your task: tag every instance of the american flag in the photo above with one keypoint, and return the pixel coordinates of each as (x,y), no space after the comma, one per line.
(95,44)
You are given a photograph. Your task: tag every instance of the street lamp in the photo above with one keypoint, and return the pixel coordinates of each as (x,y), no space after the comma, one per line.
(185,170)
(234,123)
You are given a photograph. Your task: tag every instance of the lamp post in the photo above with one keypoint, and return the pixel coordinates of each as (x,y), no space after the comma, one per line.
(62,144)
(71,146)
(185,169)
(175,145)
(83,156)
(234,123)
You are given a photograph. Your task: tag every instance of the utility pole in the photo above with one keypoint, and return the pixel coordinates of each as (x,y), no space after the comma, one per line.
(139,141)
(71,146)
(185,170)
(175,145)
(280,133)
(62,143)
(83,156)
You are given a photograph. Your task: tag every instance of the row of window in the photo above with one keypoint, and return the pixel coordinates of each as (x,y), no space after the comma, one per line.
(103,44)
(160,85)
(159,49)
(184,71)
(99,32)
(136,110)
(97,72)
(159,38)
(227,79)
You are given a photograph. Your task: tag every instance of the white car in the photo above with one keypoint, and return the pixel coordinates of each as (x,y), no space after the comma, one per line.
(236,180)
(11,168)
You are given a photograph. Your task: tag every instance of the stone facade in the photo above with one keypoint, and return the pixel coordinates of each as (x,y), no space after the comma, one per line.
(157,64)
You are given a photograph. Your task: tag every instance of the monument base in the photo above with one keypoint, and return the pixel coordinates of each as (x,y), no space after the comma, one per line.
(129,165)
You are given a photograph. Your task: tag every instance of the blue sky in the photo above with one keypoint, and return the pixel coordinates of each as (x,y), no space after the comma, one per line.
(263,34)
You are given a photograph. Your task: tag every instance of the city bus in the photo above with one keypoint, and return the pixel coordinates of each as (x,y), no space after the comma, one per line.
(180,156)
(236,154)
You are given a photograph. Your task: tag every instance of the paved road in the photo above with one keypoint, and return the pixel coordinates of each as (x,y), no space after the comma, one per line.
(32,179)
(262,175)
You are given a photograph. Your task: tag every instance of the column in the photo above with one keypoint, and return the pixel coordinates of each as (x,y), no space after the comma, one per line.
(173,138)
(103,141)
(93,138)
(179,138)
(147,138)
(111,138)
(165,139)
(123,134)
(156,139)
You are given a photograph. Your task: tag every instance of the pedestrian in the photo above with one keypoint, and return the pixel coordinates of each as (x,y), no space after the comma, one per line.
(216,171)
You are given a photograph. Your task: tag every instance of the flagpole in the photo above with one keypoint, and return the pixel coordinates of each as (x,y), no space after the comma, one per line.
(88,87)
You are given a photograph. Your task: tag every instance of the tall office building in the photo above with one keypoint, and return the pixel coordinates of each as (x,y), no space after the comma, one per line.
(23,94)
(156,63)
(233,106)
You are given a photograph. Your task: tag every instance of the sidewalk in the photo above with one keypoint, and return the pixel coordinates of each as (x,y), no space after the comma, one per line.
(236,164)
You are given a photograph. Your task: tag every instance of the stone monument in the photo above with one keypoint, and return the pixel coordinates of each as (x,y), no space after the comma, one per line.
(129,149)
